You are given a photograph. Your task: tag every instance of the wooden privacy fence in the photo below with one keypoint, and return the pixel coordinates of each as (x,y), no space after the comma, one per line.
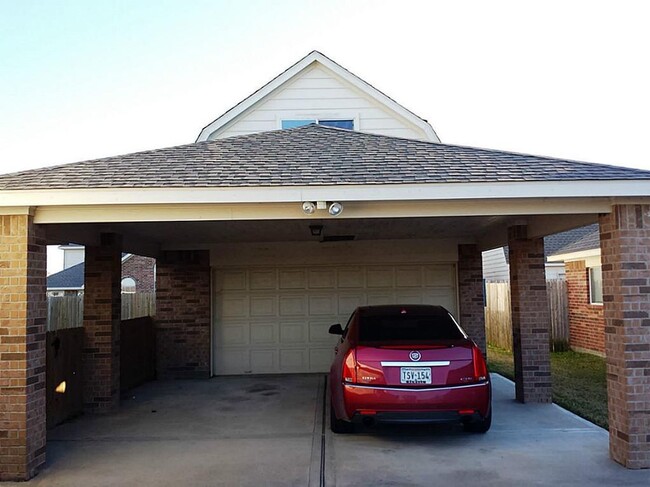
(65,312)
(498,320)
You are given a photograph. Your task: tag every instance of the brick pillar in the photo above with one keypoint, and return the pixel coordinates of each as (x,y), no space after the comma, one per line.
(183,314)
(471,308)
(102,315)
(23,315)
(530,317)
(625,253)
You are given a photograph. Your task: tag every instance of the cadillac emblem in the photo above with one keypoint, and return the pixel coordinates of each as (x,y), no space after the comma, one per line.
(415,356)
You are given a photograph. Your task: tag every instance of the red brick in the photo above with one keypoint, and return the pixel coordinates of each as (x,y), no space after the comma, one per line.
(471,308)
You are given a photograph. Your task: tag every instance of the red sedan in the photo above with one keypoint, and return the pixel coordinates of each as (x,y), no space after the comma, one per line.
(407,364)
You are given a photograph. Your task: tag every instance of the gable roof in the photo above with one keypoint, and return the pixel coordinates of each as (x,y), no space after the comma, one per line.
(313,155)
(70,278)
(293,71)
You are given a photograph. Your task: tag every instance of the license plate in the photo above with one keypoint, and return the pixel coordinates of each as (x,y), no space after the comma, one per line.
(415,375)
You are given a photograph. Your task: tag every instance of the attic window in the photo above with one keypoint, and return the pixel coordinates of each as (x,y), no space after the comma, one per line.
(342,124)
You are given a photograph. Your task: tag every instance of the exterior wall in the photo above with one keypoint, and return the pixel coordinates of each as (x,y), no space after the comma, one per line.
(586,321)
(183,314)
(72,256)
(319,93)
(142,270)
(530,317)
(102,315)
(495,266)
(23,314)
(470,291)
(625,247)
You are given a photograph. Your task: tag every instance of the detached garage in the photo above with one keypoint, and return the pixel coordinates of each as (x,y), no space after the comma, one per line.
(244,287)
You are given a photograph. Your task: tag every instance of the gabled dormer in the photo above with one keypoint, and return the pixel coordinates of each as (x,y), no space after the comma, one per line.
(318,90)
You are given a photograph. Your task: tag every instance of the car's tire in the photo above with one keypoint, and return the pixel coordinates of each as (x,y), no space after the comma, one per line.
(337,425)
(480,426)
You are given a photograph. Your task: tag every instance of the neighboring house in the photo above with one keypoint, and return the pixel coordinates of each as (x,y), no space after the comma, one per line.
(138,273)
(254,264)
(584,278)
(496,266)
(318,90)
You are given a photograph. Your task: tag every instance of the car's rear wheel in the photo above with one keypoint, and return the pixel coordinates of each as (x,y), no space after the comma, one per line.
(480,426)
(338,425)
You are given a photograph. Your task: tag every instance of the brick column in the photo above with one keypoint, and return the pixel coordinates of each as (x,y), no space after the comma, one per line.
(625,253)
(471,308)
(530,317)
(183,314)
(23,315)
(102,315)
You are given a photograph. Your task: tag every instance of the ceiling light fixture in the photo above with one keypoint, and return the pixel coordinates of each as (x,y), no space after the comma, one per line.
(308,207)
(335,209)
(316,230)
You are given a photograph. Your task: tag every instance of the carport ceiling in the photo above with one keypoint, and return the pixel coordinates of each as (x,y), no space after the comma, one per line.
(207,232)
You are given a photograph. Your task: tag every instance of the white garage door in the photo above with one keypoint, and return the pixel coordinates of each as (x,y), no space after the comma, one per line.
(275,320)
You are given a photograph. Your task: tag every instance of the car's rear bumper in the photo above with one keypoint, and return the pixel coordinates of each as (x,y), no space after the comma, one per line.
(400,404)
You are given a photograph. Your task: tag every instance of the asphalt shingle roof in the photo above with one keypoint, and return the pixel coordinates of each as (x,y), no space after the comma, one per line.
(310,155)
(588,241)
(72,277)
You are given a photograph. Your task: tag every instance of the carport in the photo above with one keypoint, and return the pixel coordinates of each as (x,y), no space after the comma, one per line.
(248,282)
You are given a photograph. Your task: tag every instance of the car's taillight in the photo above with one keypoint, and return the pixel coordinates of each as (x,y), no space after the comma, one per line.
(350,367)
(480,367)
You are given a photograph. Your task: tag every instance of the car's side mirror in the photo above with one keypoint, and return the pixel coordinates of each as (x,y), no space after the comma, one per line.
(336,329)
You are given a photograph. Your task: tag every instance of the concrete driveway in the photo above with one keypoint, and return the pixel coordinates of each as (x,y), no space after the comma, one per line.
(268,430)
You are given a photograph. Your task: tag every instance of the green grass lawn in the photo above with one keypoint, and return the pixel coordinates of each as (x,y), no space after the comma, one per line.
(579,382)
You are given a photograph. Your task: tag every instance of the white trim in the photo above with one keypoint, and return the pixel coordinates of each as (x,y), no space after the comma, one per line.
(303,64)
(437,363)
(343,193)
(573,256)
(64,288)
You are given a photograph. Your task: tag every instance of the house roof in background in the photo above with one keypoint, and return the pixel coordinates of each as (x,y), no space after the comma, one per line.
(590,240)
(290,73)
(70,278)
(312,155)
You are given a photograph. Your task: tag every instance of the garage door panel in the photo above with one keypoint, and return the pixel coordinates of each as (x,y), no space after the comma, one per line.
(292,360)
(322,279)
(323,304)
(263,306)
(295,305)
(408,276)
(276,320)
(440,275)
(380,277)
(319,330)
(263,333)
(320,359)
(263,360)
(408,297)
(291,333)
(293,279)
(351,277)
(232,281)
(375,299)
(349,302)
(234,334)
(263,279)
(235,306)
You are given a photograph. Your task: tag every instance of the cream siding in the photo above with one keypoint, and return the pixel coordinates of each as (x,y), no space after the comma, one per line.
(318,93)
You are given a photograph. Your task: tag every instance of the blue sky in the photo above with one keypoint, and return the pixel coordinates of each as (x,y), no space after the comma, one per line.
(87,79)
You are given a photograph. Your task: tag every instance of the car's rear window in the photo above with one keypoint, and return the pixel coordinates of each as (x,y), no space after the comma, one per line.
(407,327)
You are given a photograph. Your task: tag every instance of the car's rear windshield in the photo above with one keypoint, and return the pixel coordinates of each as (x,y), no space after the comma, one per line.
(419,328)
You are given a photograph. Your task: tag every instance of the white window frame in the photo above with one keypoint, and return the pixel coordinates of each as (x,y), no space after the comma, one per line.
(590,285)
(318,118)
